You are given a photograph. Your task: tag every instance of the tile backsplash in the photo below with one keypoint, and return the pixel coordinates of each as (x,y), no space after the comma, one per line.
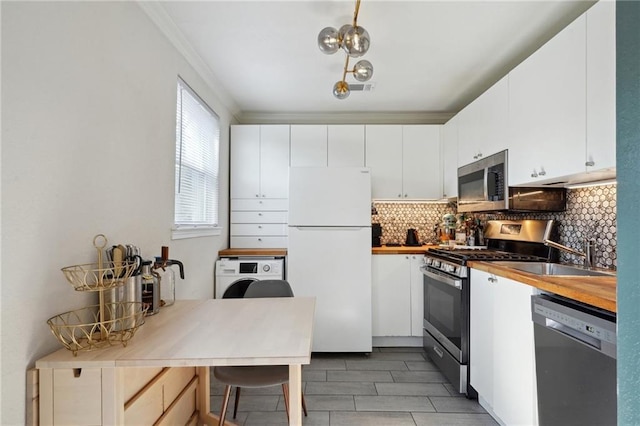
(590,214)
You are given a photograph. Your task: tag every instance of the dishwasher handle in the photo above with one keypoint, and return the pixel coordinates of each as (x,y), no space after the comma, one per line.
(597,333)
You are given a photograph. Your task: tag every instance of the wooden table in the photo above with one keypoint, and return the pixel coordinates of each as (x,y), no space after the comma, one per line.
(201,333)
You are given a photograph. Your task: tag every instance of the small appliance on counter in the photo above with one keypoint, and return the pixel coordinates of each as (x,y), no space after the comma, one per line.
(376,233)
(412,238)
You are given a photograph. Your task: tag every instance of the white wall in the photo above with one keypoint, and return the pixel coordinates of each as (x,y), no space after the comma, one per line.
(88,139)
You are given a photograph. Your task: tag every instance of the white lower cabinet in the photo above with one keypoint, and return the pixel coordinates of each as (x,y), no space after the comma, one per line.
(502,357)
(397,295)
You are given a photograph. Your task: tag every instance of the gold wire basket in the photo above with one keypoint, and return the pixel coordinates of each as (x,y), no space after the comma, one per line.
(96,277)
(87,328)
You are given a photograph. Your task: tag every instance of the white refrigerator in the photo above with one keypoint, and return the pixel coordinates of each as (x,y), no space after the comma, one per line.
(329,253)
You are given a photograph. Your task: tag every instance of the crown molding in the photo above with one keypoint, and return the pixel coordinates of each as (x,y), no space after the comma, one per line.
(159,16)
(371,117)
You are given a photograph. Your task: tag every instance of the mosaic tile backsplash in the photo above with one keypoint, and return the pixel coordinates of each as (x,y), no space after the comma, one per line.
(590,214)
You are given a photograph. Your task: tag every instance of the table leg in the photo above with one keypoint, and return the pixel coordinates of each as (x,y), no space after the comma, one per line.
(295,394)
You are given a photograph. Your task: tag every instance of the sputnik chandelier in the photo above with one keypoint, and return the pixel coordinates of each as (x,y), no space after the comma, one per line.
(354,40)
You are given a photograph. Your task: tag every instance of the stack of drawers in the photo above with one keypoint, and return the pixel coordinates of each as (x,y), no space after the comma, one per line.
(259,223)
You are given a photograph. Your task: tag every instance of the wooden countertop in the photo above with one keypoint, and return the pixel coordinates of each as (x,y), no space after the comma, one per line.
(261,331)
(252,252)
(596,291)
(402,249)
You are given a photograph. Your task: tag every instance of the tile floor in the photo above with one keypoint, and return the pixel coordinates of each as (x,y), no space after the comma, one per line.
(389,387)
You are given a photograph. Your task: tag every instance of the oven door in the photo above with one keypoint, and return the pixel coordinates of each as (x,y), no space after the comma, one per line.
(444,316)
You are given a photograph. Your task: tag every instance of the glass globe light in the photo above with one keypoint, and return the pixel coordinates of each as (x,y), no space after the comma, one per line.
(363,70)
(328,40)
(341,90)
(356,41)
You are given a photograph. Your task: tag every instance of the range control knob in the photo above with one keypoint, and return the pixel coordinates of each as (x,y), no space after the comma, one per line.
(266,267)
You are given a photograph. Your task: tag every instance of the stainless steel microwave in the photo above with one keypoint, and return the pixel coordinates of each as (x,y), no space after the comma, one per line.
(483,186)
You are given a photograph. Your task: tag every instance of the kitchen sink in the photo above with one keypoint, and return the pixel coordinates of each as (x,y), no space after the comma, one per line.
(546,268)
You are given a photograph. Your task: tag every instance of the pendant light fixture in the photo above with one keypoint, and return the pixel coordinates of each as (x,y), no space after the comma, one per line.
(354,40)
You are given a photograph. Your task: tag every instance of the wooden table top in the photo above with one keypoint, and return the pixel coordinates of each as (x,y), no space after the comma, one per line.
(261,331)
(596,291)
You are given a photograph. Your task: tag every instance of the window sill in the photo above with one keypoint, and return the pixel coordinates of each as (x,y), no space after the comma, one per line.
(182,232)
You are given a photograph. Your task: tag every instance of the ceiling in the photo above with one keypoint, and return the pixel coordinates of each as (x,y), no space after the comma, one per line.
(430,58)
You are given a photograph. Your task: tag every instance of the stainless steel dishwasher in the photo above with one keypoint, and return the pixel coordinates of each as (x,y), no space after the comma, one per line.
(575,347)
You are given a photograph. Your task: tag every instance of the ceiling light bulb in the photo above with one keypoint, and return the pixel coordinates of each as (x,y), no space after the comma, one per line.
(328,40)
(341,90)
(363,70)
(356,41)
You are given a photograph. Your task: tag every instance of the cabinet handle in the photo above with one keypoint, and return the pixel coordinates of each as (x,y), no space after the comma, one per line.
(406,257)
(259,214)
(399,195)
(542,172)
(475,157)
(479,155)
(444,195)
(534,174)
(405,195)
(259,239)
(438,351)
(263,195)
(492,280)
(259,226)
(258,195)
(590,163)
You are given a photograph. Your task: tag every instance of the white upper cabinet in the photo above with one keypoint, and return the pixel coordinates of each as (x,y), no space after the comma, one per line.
(345,145)
(309,145)
(404,161)
(547,101)
(483,125)
(384,158)
(601,86)
(421,173)
(449,149)
(259,161)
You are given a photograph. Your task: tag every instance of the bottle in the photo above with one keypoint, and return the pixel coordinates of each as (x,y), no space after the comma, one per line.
(150,289)
(167,277)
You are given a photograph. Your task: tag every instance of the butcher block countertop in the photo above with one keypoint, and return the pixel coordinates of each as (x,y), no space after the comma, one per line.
(231,252)
(402,249)
(596,291)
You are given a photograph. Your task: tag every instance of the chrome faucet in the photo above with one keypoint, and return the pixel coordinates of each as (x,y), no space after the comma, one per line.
(589,251)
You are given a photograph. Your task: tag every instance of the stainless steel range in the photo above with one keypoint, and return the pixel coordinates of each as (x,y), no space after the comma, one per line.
(447,289)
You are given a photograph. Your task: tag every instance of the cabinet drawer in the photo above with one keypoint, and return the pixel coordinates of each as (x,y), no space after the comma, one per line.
(258,217)
(257,229)
(259,242)
(182,409)
(77,396)
(137,379)
(269,204)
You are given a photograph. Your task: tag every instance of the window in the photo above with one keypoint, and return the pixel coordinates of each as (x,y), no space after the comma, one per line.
(197,169)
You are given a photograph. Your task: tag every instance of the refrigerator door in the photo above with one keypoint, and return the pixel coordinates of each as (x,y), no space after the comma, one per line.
(329,196)
(334,266)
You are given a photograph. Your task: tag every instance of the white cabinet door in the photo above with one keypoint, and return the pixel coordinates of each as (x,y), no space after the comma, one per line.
(483,128)
(245,161)
(514,375)
(502,360)
(384,158)
(391,295)
(601,86)
(308,145)
(417,294)
(547,104)
(345,145)
(481,334)
(274,161)
(421,162)
(449,149)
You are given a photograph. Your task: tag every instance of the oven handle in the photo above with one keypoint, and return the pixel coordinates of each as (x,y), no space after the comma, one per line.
(442,278)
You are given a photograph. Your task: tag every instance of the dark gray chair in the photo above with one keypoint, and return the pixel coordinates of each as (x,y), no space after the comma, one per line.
(262,375)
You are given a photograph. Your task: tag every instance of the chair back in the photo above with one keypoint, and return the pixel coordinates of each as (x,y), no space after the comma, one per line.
(238,289)
(269,288)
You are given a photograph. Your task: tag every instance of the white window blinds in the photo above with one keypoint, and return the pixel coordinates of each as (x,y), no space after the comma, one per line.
(197,146)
